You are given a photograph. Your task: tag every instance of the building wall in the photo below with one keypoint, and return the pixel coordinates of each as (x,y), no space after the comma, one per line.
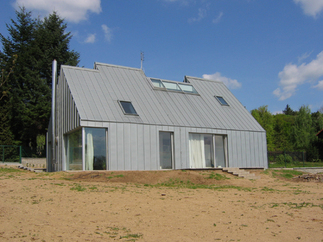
(136,146)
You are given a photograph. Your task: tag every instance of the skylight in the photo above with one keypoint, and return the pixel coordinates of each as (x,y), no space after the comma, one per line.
(221,101)
(187,88)
(128,108)
(157,83)
(173,86)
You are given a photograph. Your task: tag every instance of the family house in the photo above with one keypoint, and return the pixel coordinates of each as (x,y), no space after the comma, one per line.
(116,118)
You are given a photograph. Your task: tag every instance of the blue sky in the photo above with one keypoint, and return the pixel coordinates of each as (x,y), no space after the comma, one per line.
(268,52)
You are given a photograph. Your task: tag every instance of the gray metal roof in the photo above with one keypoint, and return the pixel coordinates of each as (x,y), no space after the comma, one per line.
(96,94)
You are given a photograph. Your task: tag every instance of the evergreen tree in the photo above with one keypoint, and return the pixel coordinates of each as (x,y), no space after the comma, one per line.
(36,43)
(6,136)
(289,111)
(53,43)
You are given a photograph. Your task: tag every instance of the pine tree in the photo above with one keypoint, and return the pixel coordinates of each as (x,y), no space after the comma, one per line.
(36,43)
(53,43)
(6,136)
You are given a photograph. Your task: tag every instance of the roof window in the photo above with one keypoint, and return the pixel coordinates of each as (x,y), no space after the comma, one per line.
(187,88)
(127,108)
(173,86)
(221,101)
(157,83)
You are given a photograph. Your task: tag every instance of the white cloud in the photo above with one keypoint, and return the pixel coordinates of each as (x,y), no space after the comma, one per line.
(230,83)
(304,56)
(218,18)
(201,15)
(107,32)
(292,76)
(90,39)
(71,10)
(319,85)
(311,7)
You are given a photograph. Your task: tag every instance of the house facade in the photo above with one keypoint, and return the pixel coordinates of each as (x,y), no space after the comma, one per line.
(116,118)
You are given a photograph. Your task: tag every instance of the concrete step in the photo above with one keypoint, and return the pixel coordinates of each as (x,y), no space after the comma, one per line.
(240,173)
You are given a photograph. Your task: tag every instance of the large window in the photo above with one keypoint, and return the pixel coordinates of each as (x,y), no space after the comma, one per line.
(94,151)
(166,150)
(207,150)
(74,151)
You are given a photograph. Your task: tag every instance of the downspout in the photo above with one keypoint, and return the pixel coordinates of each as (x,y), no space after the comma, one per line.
(54,73)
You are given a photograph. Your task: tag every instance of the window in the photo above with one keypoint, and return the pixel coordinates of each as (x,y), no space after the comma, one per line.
(222,101)
(157,83)
(187,88)
(173,86)
(95,149)
(166,150)
(74,151)
(128,108)
(207,150)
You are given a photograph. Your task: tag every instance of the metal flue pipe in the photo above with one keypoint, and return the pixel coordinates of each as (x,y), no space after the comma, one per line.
(54,74)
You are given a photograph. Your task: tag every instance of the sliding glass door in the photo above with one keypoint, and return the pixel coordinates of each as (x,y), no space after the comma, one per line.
(207,150)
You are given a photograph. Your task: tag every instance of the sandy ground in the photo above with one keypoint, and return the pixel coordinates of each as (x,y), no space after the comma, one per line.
(158,206)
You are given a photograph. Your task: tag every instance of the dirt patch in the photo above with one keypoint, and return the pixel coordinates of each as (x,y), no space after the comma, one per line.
(309,178)
(155,177)
(158,206)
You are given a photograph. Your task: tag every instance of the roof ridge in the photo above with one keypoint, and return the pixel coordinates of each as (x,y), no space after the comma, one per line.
(202,79)
(78,68)
(117,66)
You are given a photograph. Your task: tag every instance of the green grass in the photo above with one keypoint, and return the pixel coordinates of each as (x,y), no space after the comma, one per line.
(115,176)
(217,176)
(177,183)
(78,187)
(296,164)
(288,174)
(9,170)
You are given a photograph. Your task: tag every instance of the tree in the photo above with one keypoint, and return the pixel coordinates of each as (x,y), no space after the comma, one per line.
(6,136)
(303,133)
(289,111)
(282,132)
(53,43)
(37,43)
(265,119)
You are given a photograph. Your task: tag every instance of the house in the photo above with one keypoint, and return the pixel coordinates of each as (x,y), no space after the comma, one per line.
(116,118)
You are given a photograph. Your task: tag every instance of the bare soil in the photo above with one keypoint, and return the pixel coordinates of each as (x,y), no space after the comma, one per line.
(159,206)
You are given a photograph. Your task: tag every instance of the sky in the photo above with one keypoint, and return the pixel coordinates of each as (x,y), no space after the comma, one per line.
(267,52)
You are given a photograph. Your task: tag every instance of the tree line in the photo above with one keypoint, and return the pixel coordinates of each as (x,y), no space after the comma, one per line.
(292,130)
(26,69)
